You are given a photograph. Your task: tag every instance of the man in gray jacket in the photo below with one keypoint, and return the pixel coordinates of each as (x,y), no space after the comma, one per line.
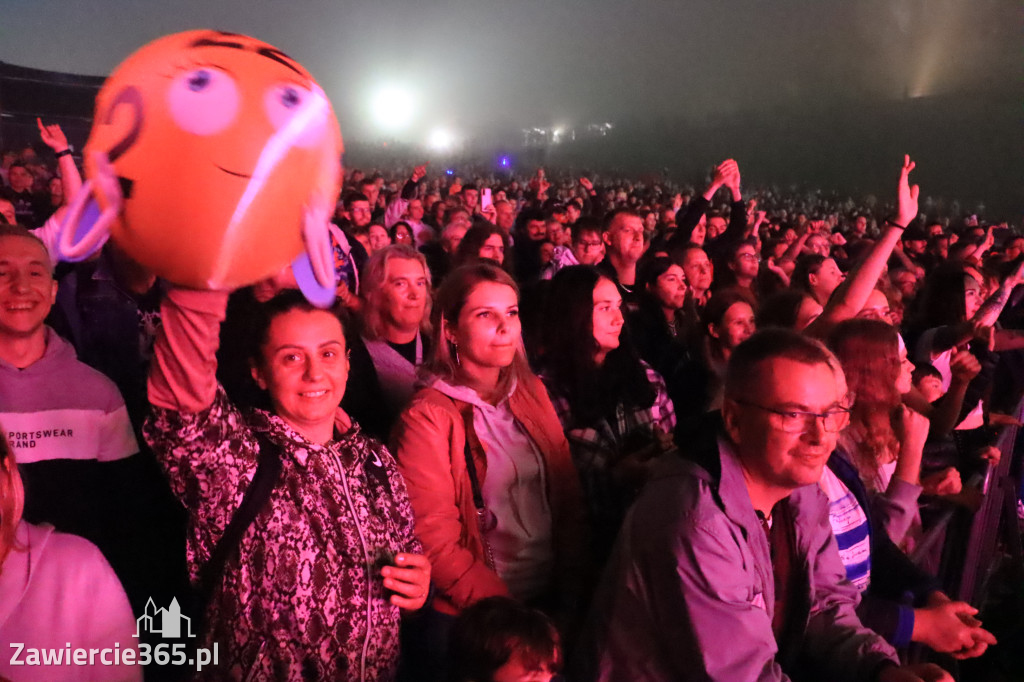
(728,569)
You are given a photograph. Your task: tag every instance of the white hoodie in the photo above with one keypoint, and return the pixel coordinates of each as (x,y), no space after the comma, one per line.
(57,592)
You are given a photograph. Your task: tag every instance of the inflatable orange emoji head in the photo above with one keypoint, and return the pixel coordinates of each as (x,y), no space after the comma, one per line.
(222,144)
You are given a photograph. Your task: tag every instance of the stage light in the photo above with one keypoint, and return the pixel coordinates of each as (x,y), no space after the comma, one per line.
(505,162)
(441,140)
(393,108)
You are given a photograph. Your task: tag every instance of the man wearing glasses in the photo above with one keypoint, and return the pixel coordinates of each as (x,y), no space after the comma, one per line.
(726,567)
(586,248)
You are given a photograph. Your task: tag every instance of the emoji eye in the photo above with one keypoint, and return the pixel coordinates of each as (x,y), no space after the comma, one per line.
(203,101)
(290,98)
(199,80)
(285,101)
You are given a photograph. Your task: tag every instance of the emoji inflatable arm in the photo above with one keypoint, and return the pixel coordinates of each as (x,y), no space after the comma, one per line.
(86,226)
(314,267)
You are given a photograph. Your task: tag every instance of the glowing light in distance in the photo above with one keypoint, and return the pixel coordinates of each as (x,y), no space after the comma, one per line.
(393,108)
(441,140)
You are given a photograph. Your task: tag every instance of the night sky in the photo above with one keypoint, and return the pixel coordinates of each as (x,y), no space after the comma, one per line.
(474,65)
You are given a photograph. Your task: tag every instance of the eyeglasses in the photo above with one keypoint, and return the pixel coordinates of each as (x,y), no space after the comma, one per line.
(797,421)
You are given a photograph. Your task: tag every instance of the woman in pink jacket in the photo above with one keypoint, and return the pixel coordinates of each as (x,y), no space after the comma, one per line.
(314,587)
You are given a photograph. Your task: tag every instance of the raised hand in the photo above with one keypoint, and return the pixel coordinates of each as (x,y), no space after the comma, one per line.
(719,177)
(964,366)
(419,171)
(906,194)
(52,136)
(732,179)
(490,214)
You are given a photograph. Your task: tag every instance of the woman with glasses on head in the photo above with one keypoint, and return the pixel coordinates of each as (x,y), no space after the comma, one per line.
(401,233)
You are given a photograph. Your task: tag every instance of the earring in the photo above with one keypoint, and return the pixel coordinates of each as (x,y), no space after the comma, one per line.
(457,360)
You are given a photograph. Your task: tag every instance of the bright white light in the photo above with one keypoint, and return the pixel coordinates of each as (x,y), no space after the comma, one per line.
(393,108)
(441,140)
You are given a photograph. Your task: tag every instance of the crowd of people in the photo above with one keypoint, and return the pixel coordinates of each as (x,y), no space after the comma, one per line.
(550,427)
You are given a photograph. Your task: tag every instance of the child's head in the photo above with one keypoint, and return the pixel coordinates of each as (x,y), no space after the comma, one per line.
(928,381)
(500,640)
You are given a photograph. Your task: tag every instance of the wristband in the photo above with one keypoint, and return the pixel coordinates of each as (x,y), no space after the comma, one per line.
(66,152)
(895,224)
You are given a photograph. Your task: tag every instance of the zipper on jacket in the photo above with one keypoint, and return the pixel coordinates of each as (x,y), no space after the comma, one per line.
(366,562)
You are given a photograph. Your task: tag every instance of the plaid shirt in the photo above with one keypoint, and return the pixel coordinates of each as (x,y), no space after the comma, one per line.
(599,448)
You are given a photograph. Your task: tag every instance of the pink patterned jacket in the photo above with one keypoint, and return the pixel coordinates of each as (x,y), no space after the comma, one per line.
(303,598)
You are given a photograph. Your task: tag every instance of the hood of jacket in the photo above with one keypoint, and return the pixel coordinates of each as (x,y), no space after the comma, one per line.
(55,358)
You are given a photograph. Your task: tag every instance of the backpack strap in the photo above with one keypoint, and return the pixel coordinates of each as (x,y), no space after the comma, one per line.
(268,470)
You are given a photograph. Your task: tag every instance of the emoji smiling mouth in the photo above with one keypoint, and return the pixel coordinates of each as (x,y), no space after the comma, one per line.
(237,175)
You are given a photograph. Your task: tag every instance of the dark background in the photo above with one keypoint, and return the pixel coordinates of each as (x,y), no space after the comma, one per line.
(825,93)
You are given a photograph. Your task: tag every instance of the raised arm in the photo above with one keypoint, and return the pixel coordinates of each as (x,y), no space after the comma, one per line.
(183,374)
(737,229)
(398,205)
(698,206)
(853,293)
(54,138)
(987,315)
(788,259)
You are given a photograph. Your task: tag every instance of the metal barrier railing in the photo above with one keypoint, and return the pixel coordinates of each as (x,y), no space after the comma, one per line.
(997,514)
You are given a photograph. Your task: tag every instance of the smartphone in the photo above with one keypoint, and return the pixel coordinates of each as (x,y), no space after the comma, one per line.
(485,199)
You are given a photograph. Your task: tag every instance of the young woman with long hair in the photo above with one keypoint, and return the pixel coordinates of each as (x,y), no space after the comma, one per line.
(492,484)
(884,439)
(614,408)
